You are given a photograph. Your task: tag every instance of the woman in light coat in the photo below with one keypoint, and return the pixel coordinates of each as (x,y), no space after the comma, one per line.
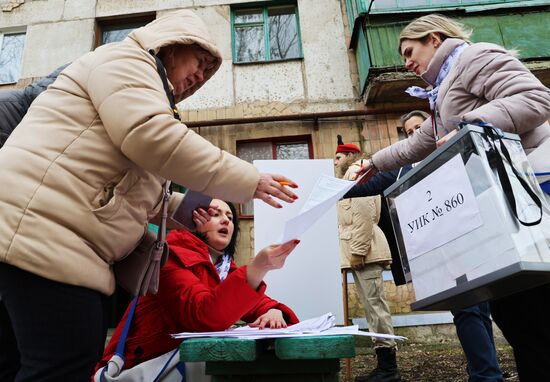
(473,83)
(82,175)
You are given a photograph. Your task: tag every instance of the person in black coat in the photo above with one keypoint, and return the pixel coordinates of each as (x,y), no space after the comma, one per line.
(382,180)
(14,103)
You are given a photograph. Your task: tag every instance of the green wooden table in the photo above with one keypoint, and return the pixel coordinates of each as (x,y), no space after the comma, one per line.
(300,359)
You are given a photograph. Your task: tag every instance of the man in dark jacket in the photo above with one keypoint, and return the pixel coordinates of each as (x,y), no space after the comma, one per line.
(14,103)
(383,180)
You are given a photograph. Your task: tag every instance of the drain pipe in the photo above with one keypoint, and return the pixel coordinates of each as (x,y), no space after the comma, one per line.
(300,116)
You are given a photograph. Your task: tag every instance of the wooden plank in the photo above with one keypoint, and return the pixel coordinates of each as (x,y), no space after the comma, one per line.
(219,349)
(321,347)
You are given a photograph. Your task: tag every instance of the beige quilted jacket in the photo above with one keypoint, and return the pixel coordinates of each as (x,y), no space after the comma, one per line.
(358,228)
(82,174)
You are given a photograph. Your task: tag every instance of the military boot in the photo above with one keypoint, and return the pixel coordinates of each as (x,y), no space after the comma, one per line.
(386,369)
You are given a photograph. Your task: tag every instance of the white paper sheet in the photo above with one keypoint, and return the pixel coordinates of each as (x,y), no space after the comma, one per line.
(438,209)
(318,326)
(327,191)
(317,252)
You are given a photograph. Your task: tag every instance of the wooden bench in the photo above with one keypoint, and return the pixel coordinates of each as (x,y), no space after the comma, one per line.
(300,359)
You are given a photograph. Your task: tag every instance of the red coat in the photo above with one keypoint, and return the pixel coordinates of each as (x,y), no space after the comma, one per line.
(190,299)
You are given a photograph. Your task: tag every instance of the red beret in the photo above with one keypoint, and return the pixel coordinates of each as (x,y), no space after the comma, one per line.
(347,148)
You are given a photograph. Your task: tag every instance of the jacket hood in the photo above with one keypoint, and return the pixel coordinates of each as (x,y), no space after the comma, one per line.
(189,248)
(180,27)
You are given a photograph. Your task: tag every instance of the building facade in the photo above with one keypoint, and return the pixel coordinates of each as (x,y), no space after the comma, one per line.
(287,86)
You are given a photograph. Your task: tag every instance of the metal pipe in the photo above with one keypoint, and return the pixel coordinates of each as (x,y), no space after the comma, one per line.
(299,116)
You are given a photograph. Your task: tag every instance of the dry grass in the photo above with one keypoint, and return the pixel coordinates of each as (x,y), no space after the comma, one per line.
(430,363)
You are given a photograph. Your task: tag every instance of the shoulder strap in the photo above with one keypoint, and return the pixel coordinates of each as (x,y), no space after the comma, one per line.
(122,340)
(162,73)
(161,235)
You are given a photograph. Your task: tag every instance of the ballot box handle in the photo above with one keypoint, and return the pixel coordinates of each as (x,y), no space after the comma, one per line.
(494,134)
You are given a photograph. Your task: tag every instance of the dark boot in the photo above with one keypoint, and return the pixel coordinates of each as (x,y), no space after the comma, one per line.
(386,370)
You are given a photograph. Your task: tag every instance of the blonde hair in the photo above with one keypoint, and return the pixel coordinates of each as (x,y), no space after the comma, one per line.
(420,28)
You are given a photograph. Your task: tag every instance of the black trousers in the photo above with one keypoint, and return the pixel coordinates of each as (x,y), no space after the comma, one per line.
(49,331)
(524,321)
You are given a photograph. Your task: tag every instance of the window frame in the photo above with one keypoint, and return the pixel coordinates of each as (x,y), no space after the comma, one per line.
(307,138)
(265,6)
(10,31)
(112,21)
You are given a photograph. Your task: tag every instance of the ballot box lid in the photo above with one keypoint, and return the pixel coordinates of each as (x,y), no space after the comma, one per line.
(437,154)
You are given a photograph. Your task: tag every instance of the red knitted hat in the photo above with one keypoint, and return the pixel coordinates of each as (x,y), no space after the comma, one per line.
(348,148)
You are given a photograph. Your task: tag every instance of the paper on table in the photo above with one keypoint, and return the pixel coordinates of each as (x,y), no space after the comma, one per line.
(326,192)
(319,326)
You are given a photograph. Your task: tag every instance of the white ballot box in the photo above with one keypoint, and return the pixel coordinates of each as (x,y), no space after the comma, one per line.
(453,215)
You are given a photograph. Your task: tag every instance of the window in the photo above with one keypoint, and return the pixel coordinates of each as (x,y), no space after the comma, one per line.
(11,55)
(116,29)
(266,34)
(298,147)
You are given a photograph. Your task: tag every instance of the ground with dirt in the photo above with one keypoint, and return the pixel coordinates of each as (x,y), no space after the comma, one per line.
(430,363)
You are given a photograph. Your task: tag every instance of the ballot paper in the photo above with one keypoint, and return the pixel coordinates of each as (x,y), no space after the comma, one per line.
(326,192)
(318,326)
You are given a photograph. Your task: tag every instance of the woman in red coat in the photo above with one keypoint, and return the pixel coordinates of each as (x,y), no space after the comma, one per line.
(201,289)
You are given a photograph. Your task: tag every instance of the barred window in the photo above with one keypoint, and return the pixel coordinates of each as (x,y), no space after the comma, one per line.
(274,148)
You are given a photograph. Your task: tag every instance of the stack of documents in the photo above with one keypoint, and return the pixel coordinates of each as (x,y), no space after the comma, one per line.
(319,326)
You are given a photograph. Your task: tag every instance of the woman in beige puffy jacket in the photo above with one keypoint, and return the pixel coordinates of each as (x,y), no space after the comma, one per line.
(81,177)
(472,83)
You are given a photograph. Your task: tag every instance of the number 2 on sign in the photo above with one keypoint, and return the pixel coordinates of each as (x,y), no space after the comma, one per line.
(429,194)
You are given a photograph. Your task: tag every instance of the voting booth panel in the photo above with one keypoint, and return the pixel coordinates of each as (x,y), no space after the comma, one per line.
(458,237)
(310,282)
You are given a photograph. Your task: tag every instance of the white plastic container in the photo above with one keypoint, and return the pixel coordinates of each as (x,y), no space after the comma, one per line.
(464,245)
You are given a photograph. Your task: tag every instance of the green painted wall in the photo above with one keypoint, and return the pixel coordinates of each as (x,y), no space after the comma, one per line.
(528,33)
(525,32)
(396,6)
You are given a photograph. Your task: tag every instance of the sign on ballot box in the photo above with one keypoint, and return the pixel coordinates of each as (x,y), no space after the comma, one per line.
(459,240)
(428,212)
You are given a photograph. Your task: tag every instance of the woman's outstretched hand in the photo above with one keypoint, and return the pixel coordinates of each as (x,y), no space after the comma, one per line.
(273,319)
(366,168)
(273,185)
(269,258)
(445,138)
